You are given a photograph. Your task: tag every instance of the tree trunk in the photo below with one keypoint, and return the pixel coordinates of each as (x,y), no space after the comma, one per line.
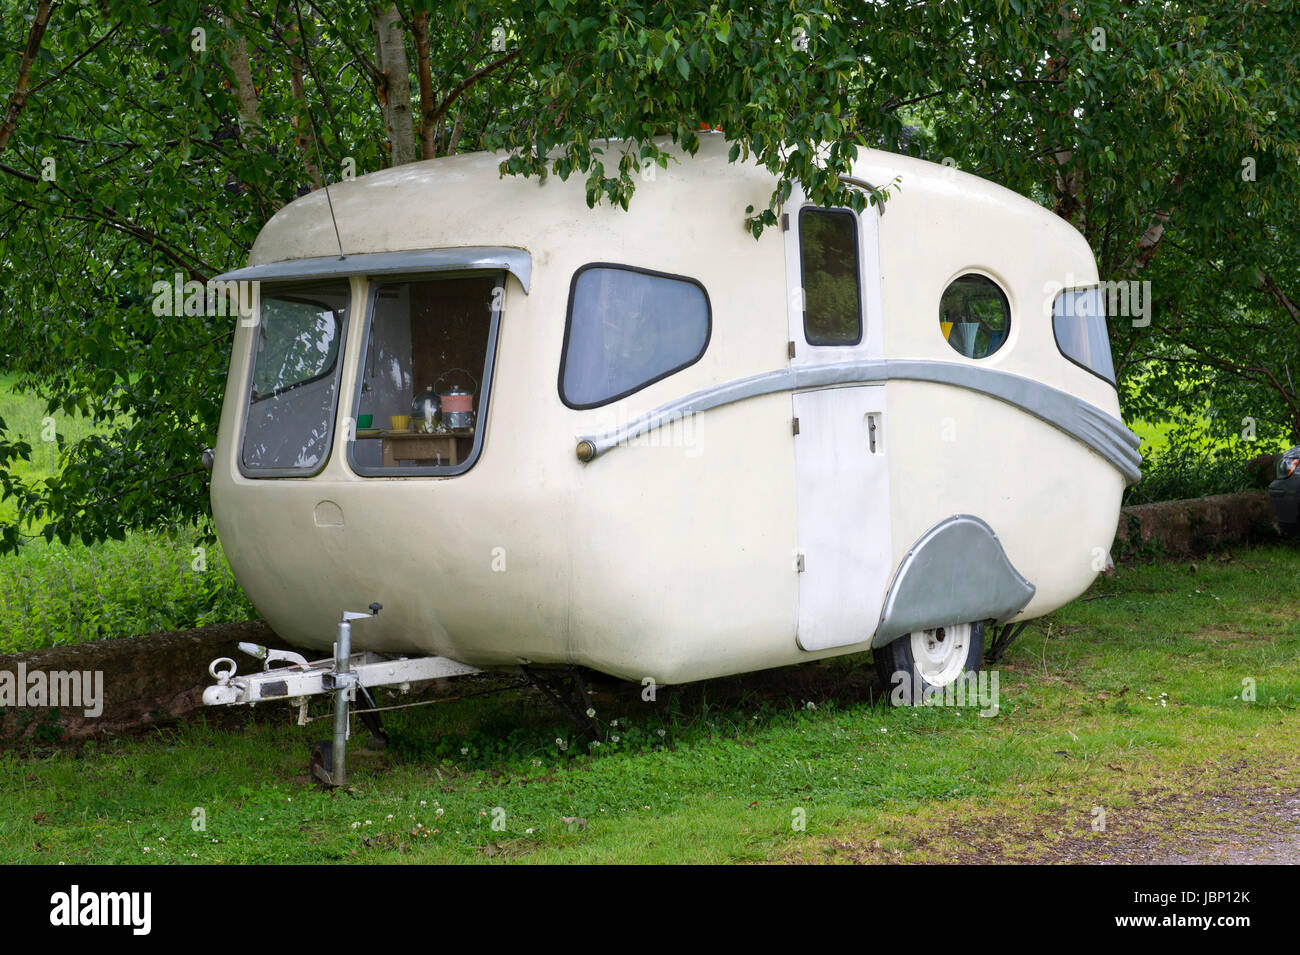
(390,47)
(303,138)
(455,132)
(19,97)
(428,140)
(245,91)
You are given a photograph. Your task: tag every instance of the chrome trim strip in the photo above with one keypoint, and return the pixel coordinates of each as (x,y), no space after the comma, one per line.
(1105,435)
(517,262)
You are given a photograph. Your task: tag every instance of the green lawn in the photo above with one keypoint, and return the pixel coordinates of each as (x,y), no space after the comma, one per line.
(25,418)
(1133,690)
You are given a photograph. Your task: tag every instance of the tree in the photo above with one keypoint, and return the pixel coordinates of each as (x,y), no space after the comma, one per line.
(151,141)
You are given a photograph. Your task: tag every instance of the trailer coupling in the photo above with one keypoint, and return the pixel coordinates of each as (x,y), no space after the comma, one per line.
(314,678)
(345,673)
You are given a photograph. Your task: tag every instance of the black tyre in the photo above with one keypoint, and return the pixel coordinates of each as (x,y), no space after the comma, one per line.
(924,662)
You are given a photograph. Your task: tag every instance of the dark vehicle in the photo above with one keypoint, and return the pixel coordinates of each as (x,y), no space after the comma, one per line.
(1285,492)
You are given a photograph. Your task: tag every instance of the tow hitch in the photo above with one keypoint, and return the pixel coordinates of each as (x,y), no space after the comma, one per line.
(343,675)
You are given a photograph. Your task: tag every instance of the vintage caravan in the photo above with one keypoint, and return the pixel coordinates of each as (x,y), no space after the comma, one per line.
(645,442)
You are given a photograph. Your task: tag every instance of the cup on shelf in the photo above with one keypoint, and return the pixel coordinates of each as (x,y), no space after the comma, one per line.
(400,422)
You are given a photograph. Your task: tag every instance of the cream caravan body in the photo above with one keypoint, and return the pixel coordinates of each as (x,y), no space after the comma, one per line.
(770,501)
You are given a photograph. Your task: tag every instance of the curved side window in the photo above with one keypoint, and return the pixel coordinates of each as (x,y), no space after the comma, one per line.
(289,418)
(974,316)
(1079,324)
(628,328)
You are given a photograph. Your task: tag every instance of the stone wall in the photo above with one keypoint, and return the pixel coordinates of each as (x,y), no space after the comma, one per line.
(1196,526)
(147,680)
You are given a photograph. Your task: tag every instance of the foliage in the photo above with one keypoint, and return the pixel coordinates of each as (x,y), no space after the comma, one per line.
(55,594)
(156,138)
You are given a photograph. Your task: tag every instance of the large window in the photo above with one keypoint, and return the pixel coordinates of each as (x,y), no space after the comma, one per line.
(289,424)
(974,316)
(1079,323)
(832,297)
(425,374)
(628,328)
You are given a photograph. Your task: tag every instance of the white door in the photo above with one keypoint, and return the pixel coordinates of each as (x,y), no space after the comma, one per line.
(841,446)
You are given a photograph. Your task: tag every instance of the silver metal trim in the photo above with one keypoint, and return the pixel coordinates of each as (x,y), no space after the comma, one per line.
(957,572)
(518,262)
(1104,434)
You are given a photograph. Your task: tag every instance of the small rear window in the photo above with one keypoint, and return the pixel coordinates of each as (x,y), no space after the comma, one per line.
(828,255)
(628,328)
(1079,323)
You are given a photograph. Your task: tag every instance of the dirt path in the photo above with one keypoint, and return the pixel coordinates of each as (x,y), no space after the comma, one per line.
(1253,825)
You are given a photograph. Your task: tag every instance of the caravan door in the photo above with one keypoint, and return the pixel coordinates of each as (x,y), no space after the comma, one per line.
(841,432)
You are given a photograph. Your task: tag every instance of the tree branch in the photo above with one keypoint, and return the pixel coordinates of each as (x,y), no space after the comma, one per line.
(19,97)
(466,83)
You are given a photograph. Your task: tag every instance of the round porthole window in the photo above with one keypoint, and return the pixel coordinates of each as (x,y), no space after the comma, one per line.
(974,316)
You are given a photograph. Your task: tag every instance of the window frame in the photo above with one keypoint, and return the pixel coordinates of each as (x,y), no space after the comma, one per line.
(803,275)
(335,368)
(1114,383)
(374,284)
(1006,301)
(568,331)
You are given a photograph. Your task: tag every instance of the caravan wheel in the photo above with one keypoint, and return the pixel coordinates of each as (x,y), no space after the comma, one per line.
(928,659)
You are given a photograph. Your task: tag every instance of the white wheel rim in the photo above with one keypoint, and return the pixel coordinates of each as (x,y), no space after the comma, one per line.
(940,654)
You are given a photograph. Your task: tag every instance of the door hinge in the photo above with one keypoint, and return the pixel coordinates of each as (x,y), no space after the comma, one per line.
(789,349)
(785,222)
(796,425)
(798,563)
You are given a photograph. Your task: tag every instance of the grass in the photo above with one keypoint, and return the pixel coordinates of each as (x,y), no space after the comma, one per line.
(1127,698)
(25,418)
(52,594)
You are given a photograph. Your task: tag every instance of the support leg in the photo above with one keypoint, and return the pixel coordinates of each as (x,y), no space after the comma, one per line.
(569,693)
